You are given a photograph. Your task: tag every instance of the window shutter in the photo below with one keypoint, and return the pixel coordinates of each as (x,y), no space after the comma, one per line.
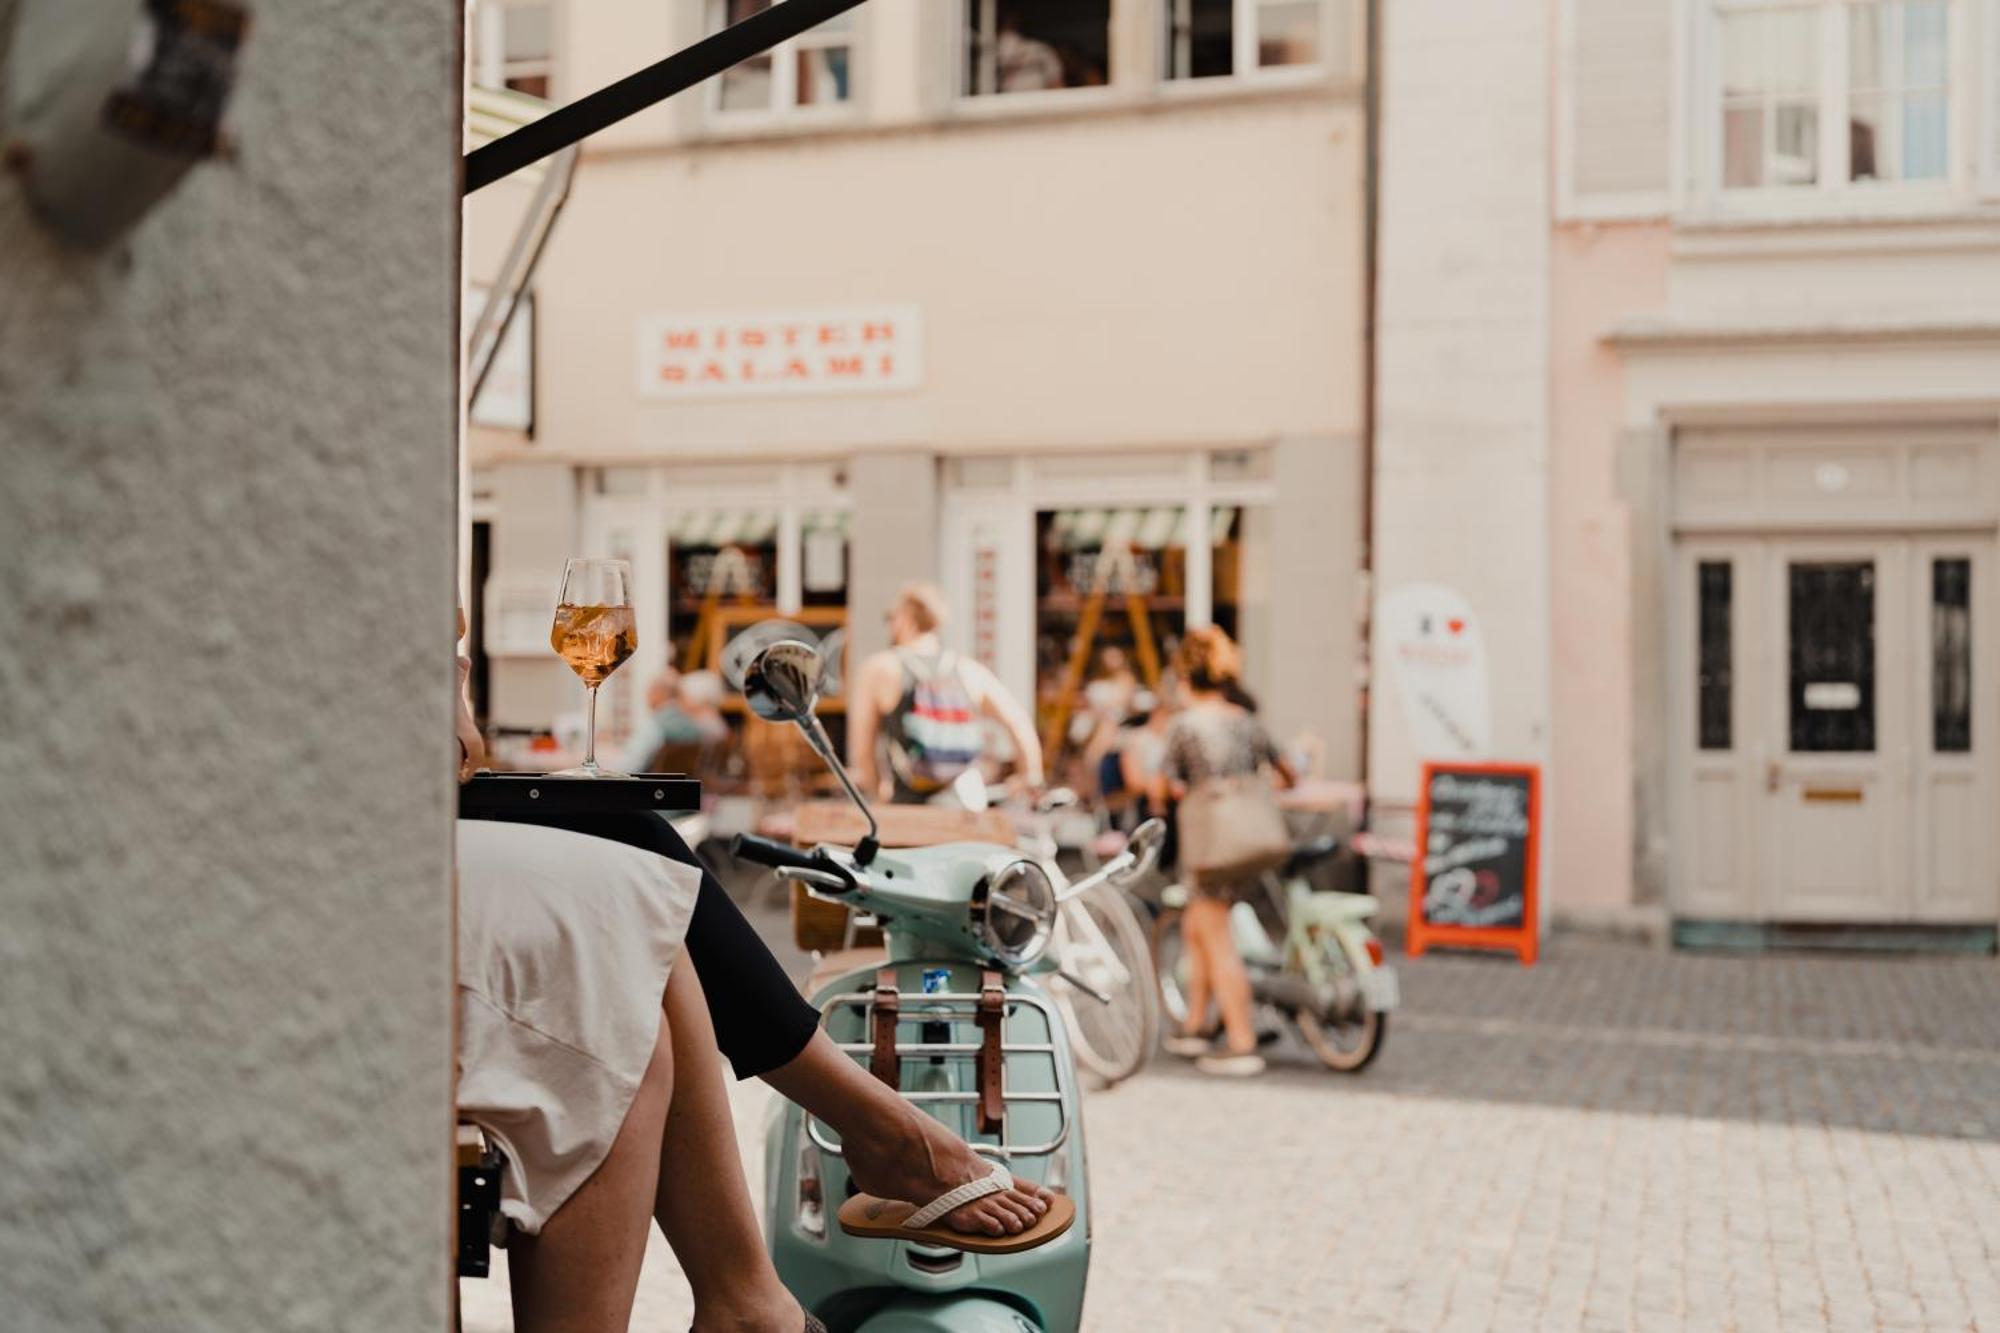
(1621,77)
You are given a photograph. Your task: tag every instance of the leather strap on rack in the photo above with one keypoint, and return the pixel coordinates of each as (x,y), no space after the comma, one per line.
(992,1063)
(884,1063)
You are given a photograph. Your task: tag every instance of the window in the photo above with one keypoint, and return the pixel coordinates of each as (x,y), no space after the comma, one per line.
(1832,659)
(1832,93)
(1951,656)
(1214,38)
(513,46)
(814,69)
(1023,46)
(1713,678)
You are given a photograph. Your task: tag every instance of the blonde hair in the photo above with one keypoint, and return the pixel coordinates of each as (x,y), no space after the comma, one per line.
(1208,659)
(924,604)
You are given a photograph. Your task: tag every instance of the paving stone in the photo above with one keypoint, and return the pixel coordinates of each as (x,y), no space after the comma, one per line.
(1616,1138)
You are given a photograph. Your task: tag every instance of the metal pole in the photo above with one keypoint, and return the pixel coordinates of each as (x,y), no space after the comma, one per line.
(653,84)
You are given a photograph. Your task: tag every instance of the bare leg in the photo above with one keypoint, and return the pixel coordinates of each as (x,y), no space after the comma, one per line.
(580,1274)
(893,1149)
(702,1202)
(1227,975)
(1194,939)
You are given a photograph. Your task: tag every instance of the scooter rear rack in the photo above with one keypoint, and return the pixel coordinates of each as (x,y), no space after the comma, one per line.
(950,1006)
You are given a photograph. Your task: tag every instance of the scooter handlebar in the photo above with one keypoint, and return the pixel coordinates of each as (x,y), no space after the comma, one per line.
(772,853)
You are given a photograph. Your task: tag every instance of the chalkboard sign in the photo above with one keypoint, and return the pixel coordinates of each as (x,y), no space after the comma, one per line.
(1473,880)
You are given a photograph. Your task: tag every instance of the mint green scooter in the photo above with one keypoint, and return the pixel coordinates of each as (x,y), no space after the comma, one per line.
(953,1017)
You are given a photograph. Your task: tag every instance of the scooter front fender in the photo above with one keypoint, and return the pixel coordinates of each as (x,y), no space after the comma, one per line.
(948,1314)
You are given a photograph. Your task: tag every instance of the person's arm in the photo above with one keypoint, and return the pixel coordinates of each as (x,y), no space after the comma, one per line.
(864,723)
(1281,768)
(996,703)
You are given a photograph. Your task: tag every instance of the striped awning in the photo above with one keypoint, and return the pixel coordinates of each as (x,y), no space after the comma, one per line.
(1141,528)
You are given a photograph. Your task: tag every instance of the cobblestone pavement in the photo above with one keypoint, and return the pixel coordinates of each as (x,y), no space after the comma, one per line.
(1617,1139)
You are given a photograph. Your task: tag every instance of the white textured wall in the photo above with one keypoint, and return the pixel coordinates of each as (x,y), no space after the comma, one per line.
(226,499)
(1463,350)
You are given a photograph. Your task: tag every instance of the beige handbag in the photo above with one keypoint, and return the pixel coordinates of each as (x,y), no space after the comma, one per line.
(1231,828)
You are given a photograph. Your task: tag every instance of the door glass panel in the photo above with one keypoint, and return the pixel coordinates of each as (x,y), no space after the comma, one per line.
(1832,666)
(1713,667)
(1951,655)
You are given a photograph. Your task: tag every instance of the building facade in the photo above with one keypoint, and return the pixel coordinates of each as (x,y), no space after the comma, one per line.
(1729,346)
(1057,304)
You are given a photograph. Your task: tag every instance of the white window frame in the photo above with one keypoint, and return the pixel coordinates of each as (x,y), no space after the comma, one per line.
(1831,194)
(490,67)
(1243,38)
(785,103)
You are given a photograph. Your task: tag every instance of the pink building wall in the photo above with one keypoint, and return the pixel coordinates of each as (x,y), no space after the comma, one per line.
(1600,273)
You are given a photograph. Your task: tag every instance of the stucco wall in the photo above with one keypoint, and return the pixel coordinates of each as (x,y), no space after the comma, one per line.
(226,535)
(1461,489)
(1599,275)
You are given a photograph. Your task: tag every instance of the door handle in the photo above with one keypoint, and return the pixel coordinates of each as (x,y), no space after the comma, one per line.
(1774,774)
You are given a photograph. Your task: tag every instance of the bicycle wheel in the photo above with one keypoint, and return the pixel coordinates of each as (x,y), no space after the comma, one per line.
(1346,1048)
(1099,939)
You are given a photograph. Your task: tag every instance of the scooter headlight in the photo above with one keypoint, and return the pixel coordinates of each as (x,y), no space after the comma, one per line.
(1018,912)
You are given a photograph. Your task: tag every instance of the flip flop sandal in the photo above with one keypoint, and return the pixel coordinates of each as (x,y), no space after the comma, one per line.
(871,1218)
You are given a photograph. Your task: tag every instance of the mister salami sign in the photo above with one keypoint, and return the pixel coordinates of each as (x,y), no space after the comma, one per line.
(873,350)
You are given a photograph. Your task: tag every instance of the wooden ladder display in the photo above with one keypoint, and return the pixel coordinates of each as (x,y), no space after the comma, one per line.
(1111,562)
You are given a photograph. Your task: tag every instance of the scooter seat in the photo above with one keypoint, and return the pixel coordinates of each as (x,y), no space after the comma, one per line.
(1327,909)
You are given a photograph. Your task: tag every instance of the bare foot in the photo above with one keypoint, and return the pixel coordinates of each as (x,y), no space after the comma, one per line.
(914,1159)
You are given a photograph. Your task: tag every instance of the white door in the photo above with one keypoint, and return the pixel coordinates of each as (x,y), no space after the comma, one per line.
(1832,735)
(1835,730)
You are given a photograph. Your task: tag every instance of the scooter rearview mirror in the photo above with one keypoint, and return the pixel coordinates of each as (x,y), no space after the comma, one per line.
(782,682)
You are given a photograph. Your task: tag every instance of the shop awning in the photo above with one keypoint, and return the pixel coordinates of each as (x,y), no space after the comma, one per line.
(1142,528)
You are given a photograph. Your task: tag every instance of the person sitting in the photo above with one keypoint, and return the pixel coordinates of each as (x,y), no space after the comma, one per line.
(588,1054)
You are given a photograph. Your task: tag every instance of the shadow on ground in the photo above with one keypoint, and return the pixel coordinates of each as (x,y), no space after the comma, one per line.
(1895,1045)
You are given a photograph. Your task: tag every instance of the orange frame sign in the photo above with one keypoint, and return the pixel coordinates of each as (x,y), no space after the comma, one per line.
(1472,880)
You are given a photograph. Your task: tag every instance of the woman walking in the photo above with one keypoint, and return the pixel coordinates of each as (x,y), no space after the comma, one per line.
(1220,764)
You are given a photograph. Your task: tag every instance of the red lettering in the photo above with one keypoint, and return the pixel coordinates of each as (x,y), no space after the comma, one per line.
(751,338)
(829,334)
(682,340)
(796,369)
(748,370)
(791,335)
(673,374)
(712,372)
(843,365)
(881,331)
(888,365)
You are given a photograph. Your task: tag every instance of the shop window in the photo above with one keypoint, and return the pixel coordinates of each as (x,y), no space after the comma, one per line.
(513,46)
(1110,604)
(1832,94)
(1951,656)
(1217,38)
(730,569)
(814,69)
(1023,46)
(1714,680)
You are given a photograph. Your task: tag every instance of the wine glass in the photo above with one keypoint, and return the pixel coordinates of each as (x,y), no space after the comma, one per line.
(594,632)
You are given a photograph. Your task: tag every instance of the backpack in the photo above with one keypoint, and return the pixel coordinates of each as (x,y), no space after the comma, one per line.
(936,734)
